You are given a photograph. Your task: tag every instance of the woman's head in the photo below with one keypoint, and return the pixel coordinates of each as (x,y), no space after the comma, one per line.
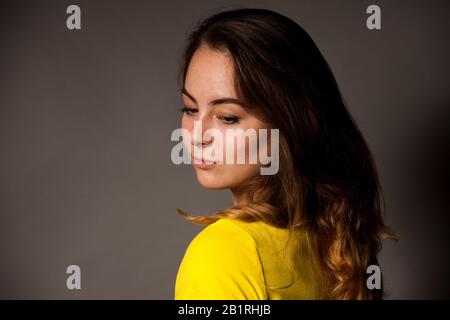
(210,101)
(326,180)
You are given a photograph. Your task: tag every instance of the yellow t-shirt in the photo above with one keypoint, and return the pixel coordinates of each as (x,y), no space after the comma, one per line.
(233,259)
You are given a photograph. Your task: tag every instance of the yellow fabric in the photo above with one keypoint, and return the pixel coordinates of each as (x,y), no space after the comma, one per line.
(232,259)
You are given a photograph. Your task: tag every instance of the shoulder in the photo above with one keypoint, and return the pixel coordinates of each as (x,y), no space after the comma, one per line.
(221,262)
(224,233)
(222,244)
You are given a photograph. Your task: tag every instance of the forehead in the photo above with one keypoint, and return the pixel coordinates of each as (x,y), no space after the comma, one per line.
(210,74)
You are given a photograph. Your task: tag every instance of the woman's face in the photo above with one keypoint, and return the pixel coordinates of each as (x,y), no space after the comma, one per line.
(208,88)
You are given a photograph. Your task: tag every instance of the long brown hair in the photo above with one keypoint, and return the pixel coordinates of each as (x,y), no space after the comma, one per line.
(327,179)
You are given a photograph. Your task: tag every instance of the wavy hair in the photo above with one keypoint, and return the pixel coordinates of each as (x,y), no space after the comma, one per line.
(327,179)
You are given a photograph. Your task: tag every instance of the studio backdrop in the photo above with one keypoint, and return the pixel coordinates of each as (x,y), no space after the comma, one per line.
(88,103)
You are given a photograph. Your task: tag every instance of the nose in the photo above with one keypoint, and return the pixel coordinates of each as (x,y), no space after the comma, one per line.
(200,140)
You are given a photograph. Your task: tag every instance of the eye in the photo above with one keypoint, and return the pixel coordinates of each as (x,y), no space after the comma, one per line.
(226,119)
(188,111)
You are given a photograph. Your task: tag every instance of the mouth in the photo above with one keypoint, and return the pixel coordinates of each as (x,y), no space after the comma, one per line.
(204,164)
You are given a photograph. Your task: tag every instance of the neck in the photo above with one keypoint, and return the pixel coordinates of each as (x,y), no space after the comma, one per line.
(239,197)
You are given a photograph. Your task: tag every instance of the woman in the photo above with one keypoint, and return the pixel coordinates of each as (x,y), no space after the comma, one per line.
(310,230)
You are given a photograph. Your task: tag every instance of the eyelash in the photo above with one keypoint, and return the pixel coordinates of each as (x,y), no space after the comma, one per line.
(228,120)
(188,111)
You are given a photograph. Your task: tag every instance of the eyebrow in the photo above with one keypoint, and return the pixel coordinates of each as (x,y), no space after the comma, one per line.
(216,101)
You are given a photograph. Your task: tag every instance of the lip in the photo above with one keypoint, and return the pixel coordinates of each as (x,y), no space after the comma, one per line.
(204,165)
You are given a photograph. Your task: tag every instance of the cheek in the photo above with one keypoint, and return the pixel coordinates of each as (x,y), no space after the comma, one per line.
(247,151)
(186,123)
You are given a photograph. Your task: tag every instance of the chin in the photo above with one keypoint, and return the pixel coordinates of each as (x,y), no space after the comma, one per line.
(224,177)
(210,180)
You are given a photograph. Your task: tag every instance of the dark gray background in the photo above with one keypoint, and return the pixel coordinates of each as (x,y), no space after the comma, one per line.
(85,123)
